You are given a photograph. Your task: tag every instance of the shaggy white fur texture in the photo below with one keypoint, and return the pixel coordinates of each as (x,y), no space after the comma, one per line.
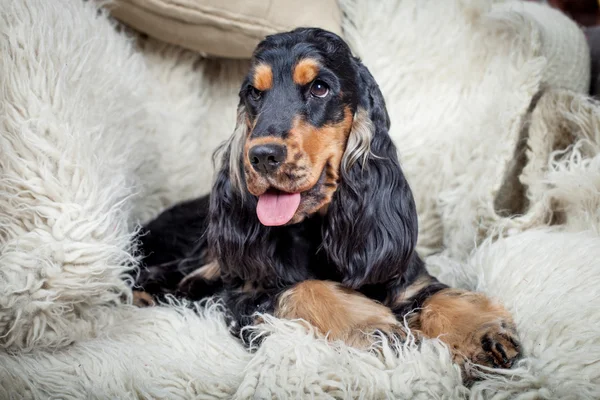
(549,279)
(457,91)
(72,155)
(100,132)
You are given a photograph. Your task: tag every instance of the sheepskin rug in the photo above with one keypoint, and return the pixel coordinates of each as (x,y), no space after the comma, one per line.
(101,129)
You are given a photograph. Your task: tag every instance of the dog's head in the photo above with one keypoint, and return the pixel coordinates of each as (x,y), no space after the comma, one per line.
(312,137)
(298,107)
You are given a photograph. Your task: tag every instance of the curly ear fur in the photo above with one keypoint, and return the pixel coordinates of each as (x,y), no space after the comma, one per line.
(247,250)
(371,225)
(235,145)
(234,231)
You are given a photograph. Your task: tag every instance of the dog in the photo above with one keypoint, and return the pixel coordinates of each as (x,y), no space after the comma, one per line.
(310,216)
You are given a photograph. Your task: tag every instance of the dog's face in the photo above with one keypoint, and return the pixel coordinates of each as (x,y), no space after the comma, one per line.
(299,99)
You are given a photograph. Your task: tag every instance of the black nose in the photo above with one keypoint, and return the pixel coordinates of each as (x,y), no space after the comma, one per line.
(266,158)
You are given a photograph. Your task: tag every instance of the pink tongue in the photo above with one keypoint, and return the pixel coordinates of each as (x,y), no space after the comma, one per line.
(277,208)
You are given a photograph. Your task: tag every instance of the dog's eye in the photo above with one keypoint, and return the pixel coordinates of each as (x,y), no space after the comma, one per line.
(319,89)
(254,93)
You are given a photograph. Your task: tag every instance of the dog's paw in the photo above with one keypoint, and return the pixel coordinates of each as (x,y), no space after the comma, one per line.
(476,329)
(499,346)
(494,345)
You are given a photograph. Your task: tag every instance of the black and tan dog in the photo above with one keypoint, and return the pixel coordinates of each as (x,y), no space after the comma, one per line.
(311,217)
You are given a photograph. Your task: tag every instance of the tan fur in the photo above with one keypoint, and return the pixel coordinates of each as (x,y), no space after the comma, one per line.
(338,312)
(321,144)
(462,319)
(211,271)
(411,291)
(310,151)
(305,71)
(236,145)
(358,146)
(263,77)
(252,287)
(322,150)
(142,299)
(208,272)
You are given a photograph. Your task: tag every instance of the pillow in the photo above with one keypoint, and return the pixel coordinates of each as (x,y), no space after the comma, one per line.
(230,29)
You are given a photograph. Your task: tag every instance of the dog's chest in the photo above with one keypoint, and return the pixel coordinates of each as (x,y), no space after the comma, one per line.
(301,255)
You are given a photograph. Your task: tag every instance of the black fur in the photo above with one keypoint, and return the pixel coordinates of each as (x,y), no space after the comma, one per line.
(373,208)
(174,245)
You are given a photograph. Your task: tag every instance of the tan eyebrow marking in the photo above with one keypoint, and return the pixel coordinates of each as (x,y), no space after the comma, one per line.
(305,71)
(263,77)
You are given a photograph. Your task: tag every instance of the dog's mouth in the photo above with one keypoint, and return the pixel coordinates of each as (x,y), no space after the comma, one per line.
(276,208)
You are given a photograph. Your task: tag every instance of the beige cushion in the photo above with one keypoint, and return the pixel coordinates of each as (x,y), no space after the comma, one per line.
(224,28)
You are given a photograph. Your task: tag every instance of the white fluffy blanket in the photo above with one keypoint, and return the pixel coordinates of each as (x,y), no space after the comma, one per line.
(99,131)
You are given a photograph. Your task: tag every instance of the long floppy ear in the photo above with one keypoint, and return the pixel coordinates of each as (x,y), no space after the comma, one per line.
(371,224)
(242,245)
(231,222)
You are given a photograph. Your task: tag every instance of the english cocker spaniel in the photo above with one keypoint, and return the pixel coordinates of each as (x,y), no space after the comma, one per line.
(311,217)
